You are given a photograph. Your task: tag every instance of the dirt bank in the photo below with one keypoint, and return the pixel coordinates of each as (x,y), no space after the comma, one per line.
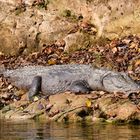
(102,33)
(28,26)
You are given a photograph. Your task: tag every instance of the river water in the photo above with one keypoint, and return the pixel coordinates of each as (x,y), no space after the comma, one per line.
(32,130)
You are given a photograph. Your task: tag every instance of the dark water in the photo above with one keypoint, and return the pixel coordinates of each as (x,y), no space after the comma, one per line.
(73,131)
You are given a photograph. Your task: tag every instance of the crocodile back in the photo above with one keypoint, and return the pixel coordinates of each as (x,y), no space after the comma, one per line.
(56,78)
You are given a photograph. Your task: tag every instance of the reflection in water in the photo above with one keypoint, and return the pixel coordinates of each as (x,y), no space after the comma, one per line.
(73,131)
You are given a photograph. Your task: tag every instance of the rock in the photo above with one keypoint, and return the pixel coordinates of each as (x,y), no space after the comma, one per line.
(115,110)
(37,107)
(128,111)
(60,43)
(9,114)
(4,95)
(72,108)
(77,41)
(75,118)
(26,28)
(10,87)
(19,115)
(23,110)
(59,102)
(96,119)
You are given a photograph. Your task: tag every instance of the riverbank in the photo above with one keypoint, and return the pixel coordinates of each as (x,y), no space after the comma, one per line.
(104,34)
(67,107)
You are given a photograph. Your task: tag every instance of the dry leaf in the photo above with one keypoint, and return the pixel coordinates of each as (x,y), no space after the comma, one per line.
(88,103)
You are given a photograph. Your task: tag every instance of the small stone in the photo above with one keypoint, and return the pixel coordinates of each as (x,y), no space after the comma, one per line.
(10,87)
(110,120)
(95,119)
(19,93)
(60,43)
(1,54)
(36,98)
(133,45)
(114,50)
(40,106)
(102,92)
(14,100)
(49,106)
(5,95)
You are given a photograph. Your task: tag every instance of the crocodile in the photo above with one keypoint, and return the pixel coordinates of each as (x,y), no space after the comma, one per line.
(70,77)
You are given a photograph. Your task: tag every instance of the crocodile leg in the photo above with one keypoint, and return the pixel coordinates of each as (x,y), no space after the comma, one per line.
(35,87)
(80,86)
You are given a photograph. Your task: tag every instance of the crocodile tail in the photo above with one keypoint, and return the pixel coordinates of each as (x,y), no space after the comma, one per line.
(2,70)
(138,82)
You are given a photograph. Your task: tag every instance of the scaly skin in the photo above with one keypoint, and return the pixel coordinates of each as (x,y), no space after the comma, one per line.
(72,77)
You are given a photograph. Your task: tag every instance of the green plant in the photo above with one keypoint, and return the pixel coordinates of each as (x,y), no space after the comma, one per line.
(20,9)
(71,15)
